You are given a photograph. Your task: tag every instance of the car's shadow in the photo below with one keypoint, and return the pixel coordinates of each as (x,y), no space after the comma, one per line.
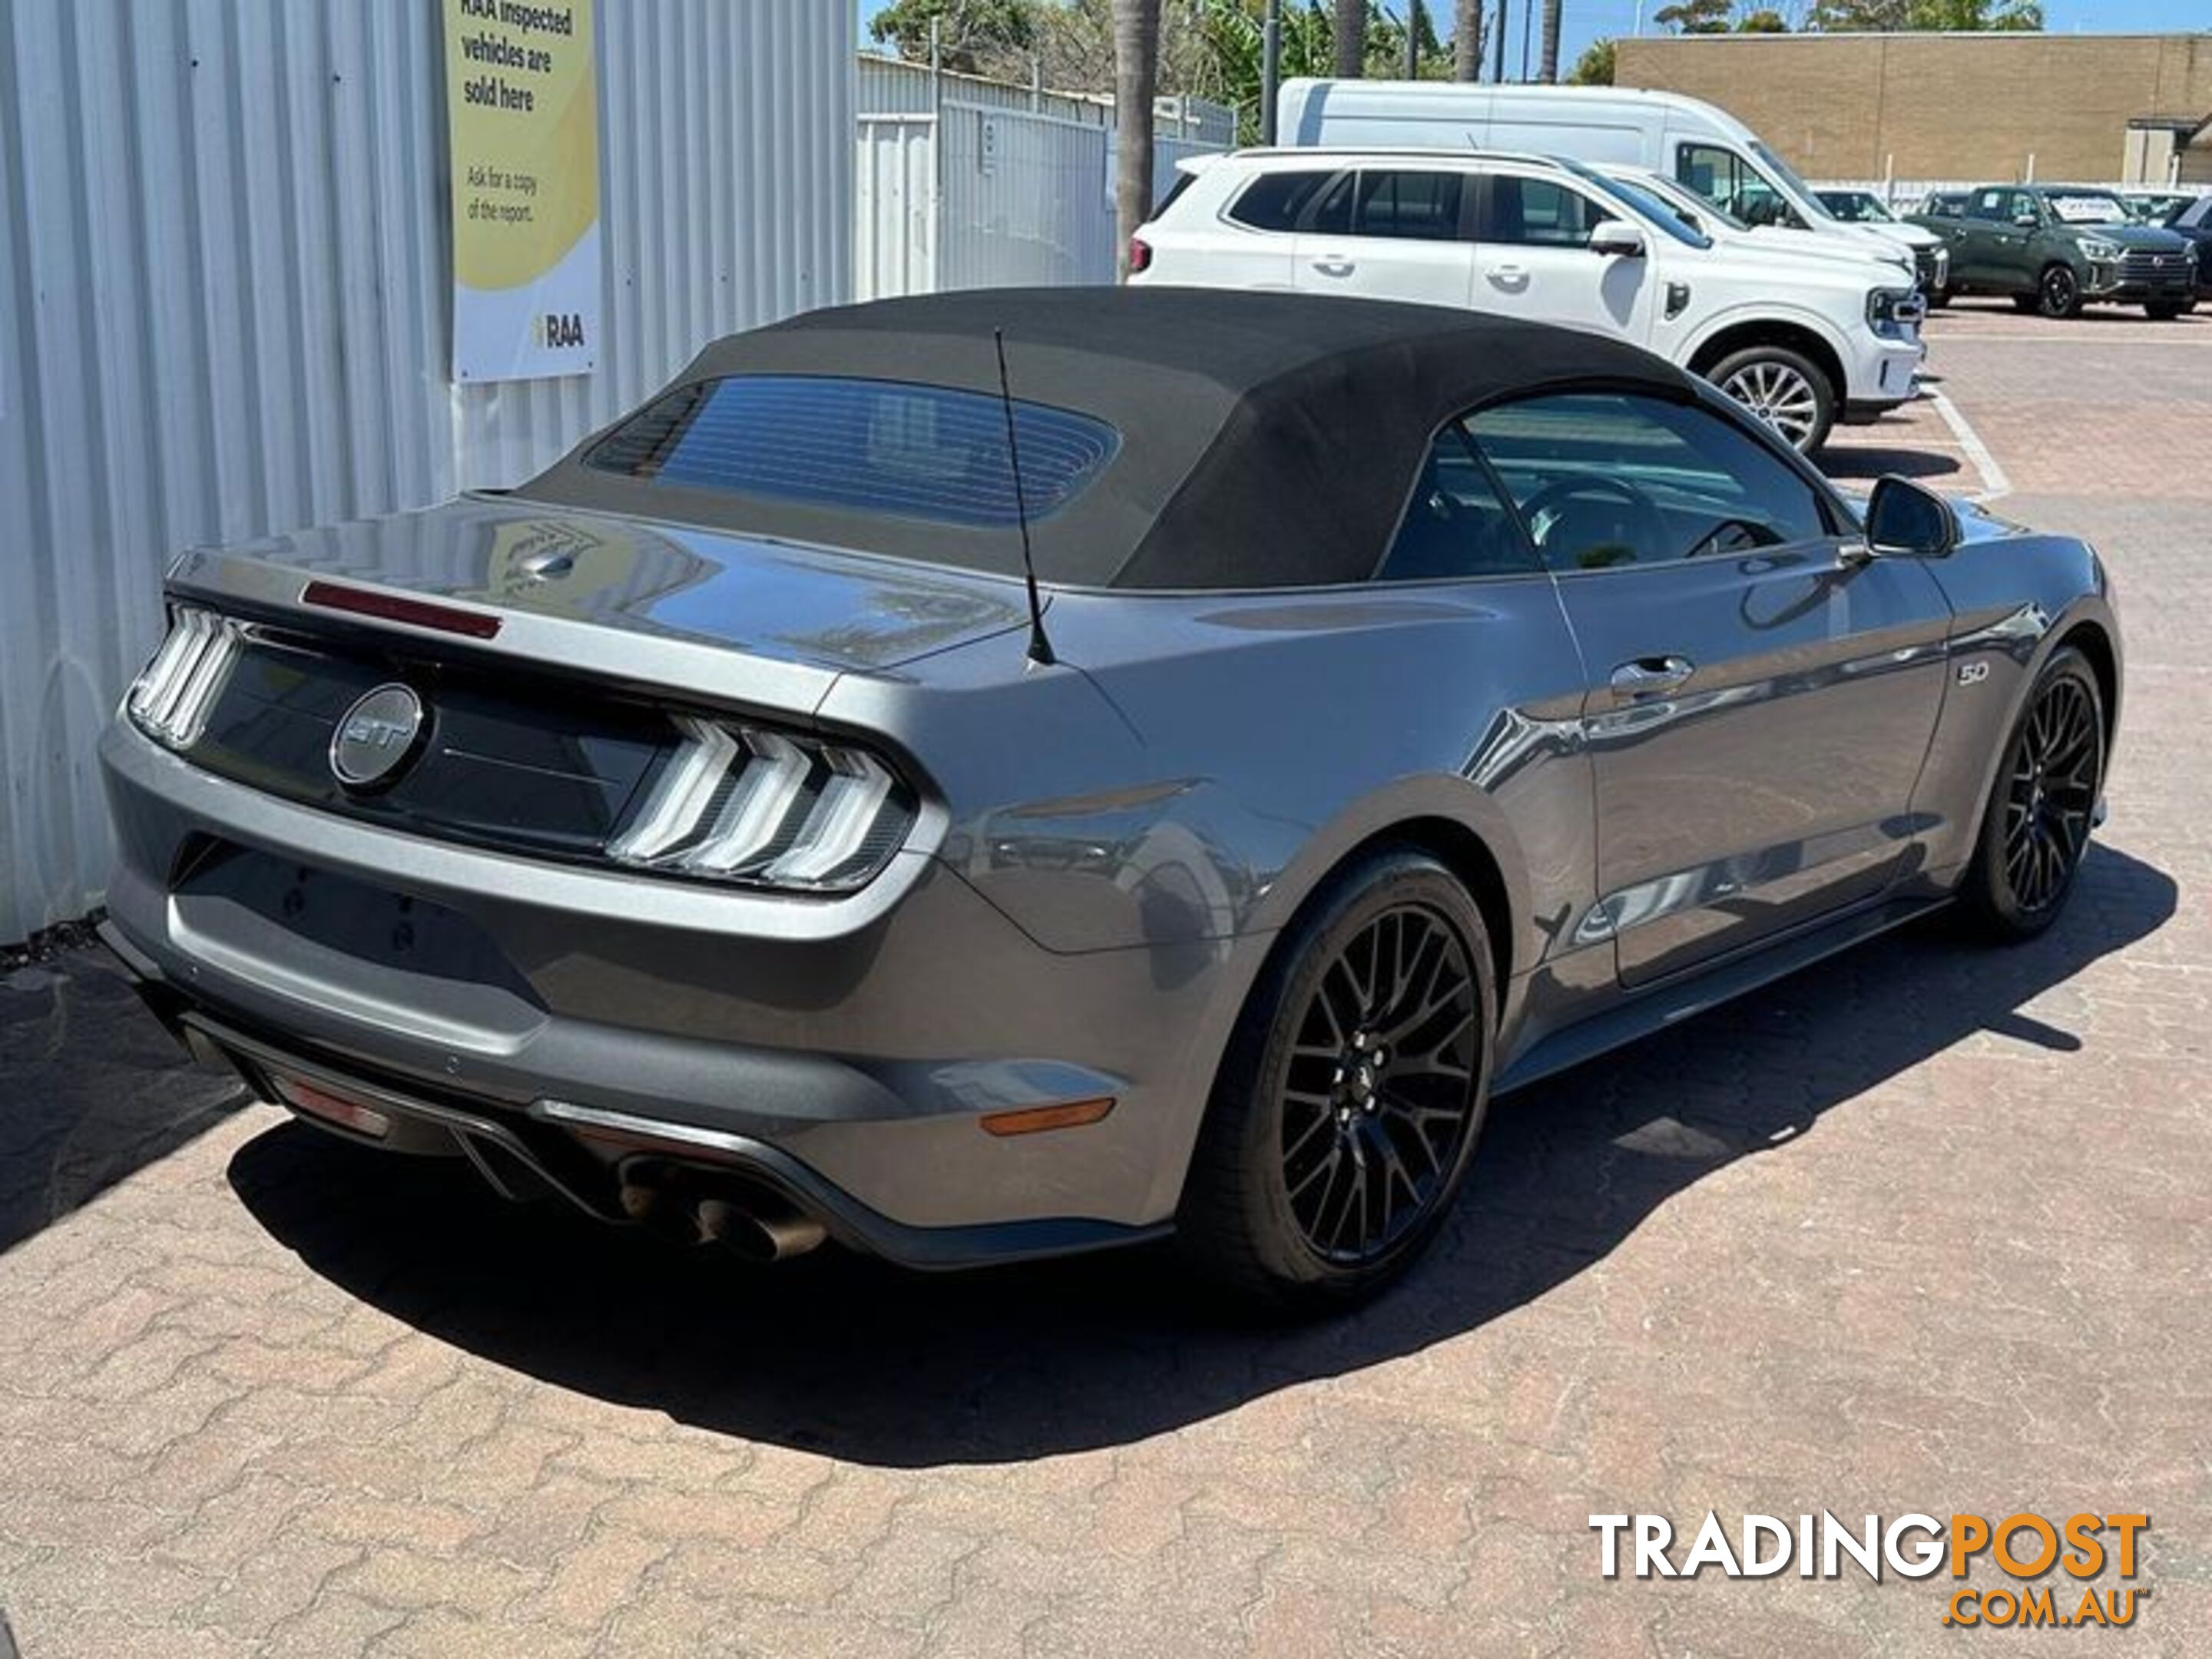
(1851,462)
(837,1354)
(2095,311)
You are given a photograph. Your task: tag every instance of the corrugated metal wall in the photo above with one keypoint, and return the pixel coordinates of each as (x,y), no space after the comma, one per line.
(1020,200)
(892,86)
(984,194)
(895,210)
(224,298)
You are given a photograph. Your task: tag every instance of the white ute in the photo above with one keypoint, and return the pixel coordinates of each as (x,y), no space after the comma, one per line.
(1802,339)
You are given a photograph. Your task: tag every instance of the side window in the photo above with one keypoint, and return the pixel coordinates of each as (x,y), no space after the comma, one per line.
(1455,524)
(1989,205)
(1405,203)
(1605,479)
(2022,206)
(1727,180)
(1537,213)
(1273,201)
(1331,213)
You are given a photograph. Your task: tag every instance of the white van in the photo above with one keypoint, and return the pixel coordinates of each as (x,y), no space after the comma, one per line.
(1688,140)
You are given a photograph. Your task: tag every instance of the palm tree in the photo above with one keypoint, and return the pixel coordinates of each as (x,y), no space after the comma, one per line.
(1466,41)
(1351,38)
(1136,80)
(1551,64)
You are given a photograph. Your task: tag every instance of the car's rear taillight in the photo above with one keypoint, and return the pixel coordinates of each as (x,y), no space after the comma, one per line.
(767,808)
(1140,255)
(171,699)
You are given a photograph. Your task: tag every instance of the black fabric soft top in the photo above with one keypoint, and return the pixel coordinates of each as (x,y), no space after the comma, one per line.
(1268,440)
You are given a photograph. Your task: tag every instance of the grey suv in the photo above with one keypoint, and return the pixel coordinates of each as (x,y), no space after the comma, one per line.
(2053,248)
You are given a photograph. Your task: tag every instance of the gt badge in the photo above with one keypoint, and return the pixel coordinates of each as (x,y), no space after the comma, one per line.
(376,736)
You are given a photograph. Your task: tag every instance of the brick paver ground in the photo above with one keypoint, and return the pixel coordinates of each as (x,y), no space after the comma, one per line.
(1923,1228)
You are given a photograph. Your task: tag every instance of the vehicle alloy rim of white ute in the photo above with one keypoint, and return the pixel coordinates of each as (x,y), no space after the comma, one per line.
(1779,396)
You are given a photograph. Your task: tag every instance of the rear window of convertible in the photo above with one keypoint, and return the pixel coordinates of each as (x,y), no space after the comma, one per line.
(883,446)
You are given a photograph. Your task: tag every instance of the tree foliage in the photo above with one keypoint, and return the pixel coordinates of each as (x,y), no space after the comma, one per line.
(1695,16)
(1851,16)
(972,35)
(1207,48)
(1594,67)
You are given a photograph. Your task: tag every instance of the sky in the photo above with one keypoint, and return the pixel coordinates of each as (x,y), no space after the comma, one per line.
(1584,20)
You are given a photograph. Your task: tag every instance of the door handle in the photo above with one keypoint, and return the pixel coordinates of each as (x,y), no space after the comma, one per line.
(1333,266)
(1510,275)
(1649,676)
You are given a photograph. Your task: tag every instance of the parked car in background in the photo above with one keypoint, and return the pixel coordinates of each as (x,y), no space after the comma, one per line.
(1711,219)
(2053,248)
(2193,219)
(1857,207)
(715,831)
(1802,341)
(1696,143)
(2155,207)
(1940,202)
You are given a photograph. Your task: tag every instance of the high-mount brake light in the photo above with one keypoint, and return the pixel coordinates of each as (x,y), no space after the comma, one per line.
(398,607)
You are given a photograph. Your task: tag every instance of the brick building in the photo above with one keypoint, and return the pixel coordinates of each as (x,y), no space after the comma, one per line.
(1999,105)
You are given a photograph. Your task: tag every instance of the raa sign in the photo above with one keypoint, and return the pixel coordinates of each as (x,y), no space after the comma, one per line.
(523,136)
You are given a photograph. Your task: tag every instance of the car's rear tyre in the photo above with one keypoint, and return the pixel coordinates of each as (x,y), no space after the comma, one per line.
(2035,828)
(1783,388)
(1938,298)
(1351,1093)
(2165,311)
(2059,292)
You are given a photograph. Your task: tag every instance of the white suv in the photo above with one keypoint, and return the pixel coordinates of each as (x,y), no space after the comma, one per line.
(1802,339)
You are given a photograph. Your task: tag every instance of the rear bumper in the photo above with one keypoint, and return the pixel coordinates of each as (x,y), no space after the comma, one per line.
(844,1066)
(585,1156)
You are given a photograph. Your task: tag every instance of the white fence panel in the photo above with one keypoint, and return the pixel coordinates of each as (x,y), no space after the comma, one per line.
(895,207)
(1019,196)
(224,295)
(1166,152)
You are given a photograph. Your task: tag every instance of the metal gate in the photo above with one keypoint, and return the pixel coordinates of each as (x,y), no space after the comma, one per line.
(1020,203)
(981,196)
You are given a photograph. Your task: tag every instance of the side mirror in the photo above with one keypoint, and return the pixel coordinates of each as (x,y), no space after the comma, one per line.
(2025,220)
(1617,238)
(1902,518)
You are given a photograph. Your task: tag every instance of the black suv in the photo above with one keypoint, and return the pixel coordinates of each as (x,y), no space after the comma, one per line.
(2054,248)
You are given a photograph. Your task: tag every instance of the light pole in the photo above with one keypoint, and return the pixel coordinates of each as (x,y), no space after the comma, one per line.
(1497,48)
(1271,67)
(1412,40)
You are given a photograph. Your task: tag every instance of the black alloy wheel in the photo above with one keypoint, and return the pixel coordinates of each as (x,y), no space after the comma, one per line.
(1351,1093)
(2050,795)
(2037,829)
(2059,292)
(1380,1088)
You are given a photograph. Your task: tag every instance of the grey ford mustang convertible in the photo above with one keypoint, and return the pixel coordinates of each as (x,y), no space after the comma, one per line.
(718,831)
